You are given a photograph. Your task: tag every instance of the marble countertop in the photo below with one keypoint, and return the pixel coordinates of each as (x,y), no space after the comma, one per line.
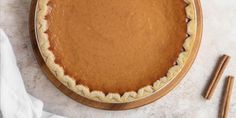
(183,102)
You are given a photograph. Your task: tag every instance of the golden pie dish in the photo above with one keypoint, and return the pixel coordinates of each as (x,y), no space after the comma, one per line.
(115,51)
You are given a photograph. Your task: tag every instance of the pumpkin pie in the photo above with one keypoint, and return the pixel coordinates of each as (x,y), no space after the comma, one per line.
(115,51)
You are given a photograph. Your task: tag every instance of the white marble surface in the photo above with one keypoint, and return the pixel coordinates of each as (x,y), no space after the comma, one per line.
(184,101)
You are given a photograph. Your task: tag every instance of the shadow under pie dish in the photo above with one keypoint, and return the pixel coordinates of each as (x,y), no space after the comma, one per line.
(115,51)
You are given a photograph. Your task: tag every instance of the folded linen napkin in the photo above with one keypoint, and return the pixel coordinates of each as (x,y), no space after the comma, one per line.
(15,102)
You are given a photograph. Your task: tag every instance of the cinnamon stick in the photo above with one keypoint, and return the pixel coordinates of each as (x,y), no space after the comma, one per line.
(227,97)
(217,75)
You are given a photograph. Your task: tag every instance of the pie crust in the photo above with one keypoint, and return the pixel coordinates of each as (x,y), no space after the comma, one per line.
(129,96)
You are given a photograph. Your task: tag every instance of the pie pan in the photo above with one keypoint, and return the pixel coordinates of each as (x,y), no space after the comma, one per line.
(130,75)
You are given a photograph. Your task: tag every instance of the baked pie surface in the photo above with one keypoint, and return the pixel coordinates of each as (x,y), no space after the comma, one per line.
(115,51)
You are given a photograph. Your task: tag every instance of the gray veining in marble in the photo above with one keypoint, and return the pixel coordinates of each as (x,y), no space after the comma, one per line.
(184,101)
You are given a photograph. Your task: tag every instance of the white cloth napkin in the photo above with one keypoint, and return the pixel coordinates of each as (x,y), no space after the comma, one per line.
(15,102)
